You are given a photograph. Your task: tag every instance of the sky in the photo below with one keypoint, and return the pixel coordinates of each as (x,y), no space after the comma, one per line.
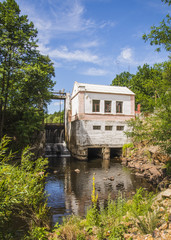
(90,41)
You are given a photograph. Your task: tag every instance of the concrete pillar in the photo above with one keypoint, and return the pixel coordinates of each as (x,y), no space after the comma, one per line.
(106,153)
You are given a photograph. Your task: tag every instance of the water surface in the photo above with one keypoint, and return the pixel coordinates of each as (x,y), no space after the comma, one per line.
(69,184)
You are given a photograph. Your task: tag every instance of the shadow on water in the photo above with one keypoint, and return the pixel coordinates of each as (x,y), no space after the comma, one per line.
(69,184)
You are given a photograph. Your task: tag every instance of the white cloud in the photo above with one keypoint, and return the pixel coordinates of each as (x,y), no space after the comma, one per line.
(126,56)
(107,24)
(88,44)
(95,72)
(77,55)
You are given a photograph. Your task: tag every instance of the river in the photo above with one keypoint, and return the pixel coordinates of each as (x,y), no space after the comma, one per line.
(69,184)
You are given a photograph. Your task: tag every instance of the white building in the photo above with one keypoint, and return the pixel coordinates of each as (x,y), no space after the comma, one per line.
(98,118)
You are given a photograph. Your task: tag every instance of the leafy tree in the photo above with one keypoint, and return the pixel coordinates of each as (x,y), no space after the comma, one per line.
(161,35)
(146,85)
(123,79)
(25,75)
(56,117)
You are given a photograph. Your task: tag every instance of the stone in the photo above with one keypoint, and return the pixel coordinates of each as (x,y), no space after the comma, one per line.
(163,226)
(166,193)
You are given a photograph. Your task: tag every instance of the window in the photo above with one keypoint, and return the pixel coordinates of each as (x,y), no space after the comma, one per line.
(96,105)
(119,128)
(119,107)
(96,127)
(107,108)
(108,128)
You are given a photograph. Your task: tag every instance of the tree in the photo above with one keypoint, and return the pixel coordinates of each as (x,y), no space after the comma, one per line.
(123,79)
(25,75)
(161,35)
(146,85)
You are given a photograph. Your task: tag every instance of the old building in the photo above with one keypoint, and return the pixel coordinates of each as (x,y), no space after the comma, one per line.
(98,119)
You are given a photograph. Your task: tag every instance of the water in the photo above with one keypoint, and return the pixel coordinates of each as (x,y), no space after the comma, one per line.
(69,184)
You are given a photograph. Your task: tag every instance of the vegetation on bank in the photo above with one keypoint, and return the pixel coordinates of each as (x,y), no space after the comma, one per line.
(23,207)
(23,200)
(120,219)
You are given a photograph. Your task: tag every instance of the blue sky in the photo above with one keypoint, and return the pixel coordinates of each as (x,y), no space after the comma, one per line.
(93,40)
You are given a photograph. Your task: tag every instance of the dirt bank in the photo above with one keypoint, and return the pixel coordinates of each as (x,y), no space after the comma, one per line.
(149,163)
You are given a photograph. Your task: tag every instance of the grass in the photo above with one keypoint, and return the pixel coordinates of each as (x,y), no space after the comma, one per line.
(113,221)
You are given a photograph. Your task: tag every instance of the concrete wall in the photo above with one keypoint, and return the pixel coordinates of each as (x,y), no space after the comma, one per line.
(85,135)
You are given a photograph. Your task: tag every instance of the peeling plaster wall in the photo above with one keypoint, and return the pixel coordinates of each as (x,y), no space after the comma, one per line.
(87,136)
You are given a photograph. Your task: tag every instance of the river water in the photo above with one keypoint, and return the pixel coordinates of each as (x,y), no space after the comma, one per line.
(69,184)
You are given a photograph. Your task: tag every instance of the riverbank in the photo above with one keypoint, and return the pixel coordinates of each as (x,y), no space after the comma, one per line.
(144,217)
(149,163)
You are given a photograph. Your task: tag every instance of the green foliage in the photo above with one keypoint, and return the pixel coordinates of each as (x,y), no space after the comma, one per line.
(21,192)
(116,209)
(113,221)
(56,117)
(123,79)
(117,232)
(141,203)
(168,168)
(25,76)
(161,35)
(93,217)
(125,147)
(150,84)
(147,224)
(154,129)
(38,233)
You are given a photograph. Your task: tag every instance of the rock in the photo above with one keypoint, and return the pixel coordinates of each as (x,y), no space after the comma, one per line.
(154,172)
(163,226)
(139,174)
(77,170)
(111,178)
(166,193)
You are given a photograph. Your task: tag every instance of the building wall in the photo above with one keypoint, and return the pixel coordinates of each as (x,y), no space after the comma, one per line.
(82,134)
(126,99)
(75,105)
(87,136)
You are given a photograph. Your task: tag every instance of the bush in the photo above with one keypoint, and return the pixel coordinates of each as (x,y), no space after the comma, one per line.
(21,192)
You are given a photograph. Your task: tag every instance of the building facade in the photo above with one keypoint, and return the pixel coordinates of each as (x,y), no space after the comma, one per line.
(98,118)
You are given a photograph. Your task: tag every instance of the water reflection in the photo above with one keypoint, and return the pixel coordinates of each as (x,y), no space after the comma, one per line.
(69,184)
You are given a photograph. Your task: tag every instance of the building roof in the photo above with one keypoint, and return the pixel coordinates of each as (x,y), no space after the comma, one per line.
(100,89)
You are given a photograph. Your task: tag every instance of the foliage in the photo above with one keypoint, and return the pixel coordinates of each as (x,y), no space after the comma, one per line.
(21,192)
(125,147)
(25,75)
(141,208)
(113,221)
(154,129)
(149,84)
(161,35)
(141,203)
(56,117)
(94,196)
(38,233)
(93,214)
(123,79)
